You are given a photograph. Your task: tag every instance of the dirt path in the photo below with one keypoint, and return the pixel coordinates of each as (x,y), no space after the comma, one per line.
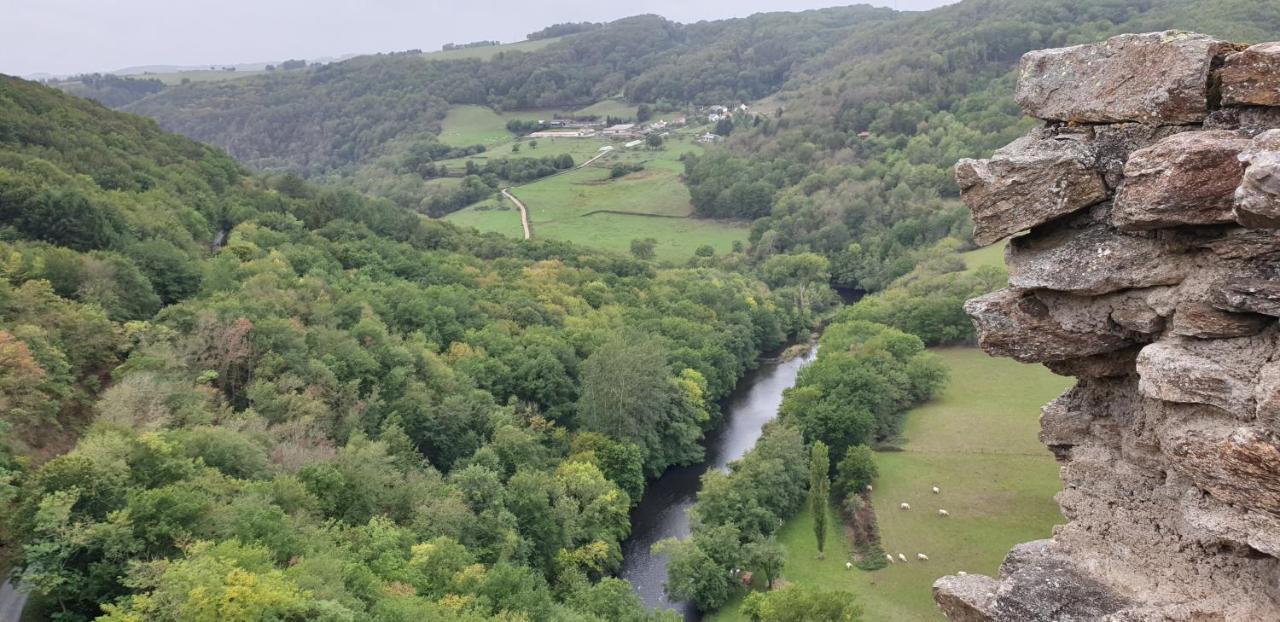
(524,212)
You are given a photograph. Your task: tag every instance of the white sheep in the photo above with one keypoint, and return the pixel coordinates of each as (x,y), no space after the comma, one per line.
(848,565)
(904,506)
(922,557)
(963,573)
(942,512)
(888,557)
(902,558)
(935,490)
(869,488)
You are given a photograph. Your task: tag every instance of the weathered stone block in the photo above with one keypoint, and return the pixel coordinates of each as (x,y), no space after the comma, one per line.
(1185,179)
(1257,198)
(1240,465)
(1095,260)
(1252,76)
(1045,326)
(1249,295)
(1113,144)
(1217,372)
(966,599)
(1154,78)
(1248,120)
(1031,181)
(1198,319)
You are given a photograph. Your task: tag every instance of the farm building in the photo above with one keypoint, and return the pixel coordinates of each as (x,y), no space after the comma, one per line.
(634,143)
(621,129)
(562,134)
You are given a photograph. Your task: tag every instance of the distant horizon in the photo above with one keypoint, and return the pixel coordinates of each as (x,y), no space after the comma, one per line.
(69,37)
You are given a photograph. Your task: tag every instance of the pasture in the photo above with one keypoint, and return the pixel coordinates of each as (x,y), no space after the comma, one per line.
(487,52)
(978,443)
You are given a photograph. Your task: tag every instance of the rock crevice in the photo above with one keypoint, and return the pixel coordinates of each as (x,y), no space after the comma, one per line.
(1146,263)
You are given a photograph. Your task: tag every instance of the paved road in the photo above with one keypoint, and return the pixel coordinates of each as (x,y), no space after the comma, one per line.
(11,602)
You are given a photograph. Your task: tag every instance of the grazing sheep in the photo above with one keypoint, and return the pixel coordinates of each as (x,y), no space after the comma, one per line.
(935,490)
(888,557)
(942,512)
(922,557)
(902,558)
(904,506)
(848,565)
(963,573)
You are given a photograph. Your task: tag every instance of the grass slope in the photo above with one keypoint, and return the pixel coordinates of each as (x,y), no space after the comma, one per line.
(978,443)
(992,255)
(582,205)
(487,52)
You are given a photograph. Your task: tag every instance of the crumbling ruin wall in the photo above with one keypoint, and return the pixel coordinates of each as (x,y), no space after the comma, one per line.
(1149,270)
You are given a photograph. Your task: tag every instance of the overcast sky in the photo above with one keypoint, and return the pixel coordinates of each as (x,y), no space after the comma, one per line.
(76,36)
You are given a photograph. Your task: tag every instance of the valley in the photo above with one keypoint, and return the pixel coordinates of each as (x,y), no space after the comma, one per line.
(634,314)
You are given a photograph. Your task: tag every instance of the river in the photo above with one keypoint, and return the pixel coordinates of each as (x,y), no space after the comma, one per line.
(661,512)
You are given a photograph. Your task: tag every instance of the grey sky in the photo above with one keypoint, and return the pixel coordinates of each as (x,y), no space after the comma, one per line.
(75,36)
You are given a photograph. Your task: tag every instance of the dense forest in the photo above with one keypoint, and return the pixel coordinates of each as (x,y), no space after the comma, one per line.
(211,380)
(861,111)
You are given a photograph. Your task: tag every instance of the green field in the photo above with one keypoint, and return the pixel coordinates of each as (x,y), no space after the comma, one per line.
(582,205)
(992,255)
(487,52)
(978,443)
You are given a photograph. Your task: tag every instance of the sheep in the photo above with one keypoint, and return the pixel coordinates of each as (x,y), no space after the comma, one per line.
(902,558)
(963,573)
(889,557)
(935,490)
(869,488)
(922,557)
(904,506)
(942,512)
(848,565)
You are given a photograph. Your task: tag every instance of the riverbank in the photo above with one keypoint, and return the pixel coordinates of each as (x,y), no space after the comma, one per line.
(661,512)
(977,443)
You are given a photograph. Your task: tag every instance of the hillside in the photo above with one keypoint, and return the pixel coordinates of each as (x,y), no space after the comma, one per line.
(209,380)
(858,113)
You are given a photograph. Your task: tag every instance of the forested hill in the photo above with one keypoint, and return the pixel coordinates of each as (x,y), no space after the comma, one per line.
(857,116)
(357,412)
(342,114)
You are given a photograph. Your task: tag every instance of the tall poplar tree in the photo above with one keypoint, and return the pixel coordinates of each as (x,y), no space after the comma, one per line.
(819,489)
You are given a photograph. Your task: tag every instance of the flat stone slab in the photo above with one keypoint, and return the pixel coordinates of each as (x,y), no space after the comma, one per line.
(1095,259)
(1028,182)
(1155,78)
(1185,179)
(1034,327)
(1252,76)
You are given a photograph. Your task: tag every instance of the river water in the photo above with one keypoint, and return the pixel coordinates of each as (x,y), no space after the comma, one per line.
(661,512)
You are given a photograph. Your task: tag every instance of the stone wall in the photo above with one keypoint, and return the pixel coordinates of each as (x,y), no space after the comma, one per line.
(1150,270)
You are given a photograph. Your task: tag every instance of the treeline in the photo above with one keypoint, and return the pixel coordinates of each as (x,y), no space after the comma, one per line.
(295,402)
(112,90)
(481,181)
(474,44)
(560,30)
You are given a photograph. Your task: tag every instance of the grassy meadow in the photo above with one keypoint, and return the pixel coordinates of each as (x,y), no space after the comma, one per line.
(978,443)
(585,205)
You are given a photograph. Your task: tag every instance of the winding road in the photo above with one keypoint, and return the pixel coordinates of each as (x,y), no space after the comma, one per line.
(524,211)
